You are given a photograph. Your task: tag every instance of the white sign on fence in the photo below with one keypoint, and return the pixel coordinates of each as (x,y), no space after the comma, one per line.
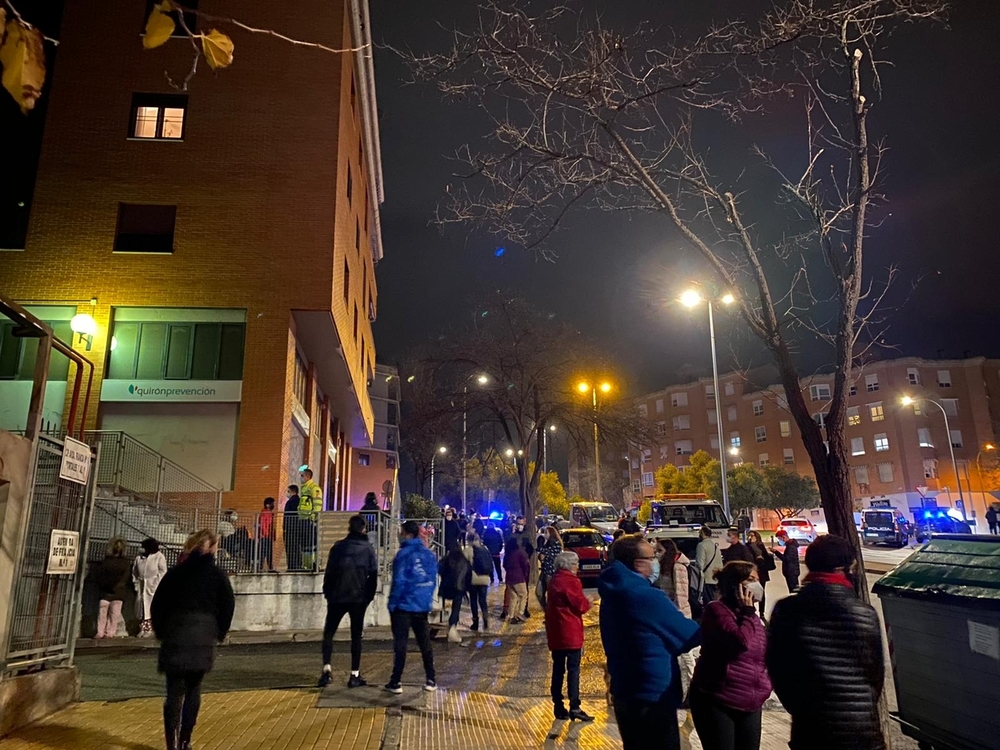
(75,466)
(64,552)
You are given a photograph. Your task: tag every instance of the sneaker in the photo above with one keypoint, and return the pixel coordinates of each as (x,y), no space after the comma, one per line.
(430,686)
(516,620)
(356,681)
(394,687)
(325,679)
(453,636)
(561,713)
(503,616)
(580,715)
(527,614)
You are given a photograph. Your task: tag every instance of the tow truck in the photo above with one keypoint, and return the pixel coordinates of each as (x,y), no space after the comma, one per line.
(681,516)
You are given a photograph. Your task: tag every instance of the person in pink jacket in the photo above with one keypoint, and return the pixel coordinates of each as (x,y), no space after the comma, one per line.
(730,683)
(673,580)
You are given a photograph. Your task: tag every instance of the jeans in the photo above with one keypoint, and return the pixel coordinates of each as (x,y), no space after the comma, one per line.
(108,617)
(648,726)
(477,600)
(793,583)
(180,709)
(402,622)
(334,614)
(456,610)
(566,663)
(498,566)
(722,728)
(267,553)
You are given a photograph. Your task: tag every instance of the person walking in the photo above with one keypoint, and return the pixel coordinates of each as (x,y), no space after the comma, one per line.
(349,585)
(789,556)
(291,527)
(456,580)
(736,550)
(414,574)
(708,563)
(730,683)
(764,561)
(310,504)
(567,604)
(112,578)
(642,633)
(451,530)
(825,656)
(493,541)
(192,611)
(523,536)
(147,571)
(265,535)
(991,518)
(482,577)
(550,547)
(517,567)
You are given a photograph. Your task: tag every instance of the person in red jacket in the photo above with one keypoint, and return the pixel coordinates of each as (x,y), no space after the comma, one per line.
(565,607)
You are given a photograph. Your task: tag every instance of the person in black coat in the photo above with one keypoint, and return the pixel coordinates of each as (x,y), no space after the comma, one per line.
(737,551)
(789,557)
(349,586)
(493,541)
(451,530)
(825,657)
(764,561)
(191,612)
(456,579)
(291,528)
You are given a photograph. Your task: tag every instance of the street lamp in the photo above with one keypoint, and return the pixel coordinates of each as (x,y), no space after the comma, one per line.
(545,448)
(979,468)
(735,453)
(692,298)
(909,400)
(442,450)
(604,387)
(482,379)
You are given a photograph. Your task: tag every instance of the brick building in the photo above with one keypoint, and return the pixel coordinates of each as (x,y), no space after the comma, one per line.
(376,468)
(224,239)
(899,453)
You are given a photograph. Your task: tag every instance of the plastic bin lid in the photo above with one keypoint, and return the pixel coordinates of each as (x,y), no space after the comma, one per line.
(960,568)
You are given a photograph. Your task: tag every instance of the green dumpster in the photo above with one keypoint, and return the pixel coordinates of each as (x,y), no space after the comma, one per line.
(942,617)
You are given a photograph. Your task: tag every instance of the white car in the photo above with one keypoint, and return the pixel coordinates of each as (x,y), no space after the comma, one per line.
(799,529)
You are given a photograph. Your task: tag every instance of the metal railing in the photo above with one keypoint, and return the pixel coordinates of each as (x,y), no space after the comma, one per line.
(131,467)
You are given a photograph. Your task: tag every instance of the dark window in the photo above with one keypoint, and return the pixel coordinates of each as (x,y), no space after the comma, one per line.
(347,281)
(189,18)
(299,380)
(361,364)
(350,183)
(158,117)
(364,459)
(152,343)
(231,352)
(364,279)
(355,321)
(354,92)
(18,354)
(390,462)
(124,343)
(577,539)
(181,351)
(357,234)
(392,413)
(178,365)
(144,228)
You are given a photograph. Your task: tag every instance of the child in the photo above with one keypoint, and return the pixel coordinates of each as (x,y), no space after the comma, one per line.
(265,534)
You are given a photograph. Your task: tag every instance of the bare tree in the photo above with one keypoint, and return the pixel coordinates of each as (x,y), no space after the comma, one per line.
(584,115)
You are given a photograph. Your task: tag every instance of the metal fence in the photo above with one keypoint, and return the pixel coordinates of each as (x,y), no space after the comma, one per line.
(45,606)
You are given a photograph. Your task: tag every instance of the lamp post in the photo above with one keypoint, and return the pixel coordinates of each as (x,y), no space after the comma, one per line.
(691,298)
(735,453)
(979,466)
(442,450)
(482,380)
(545,448)
(907,401)
(605,387)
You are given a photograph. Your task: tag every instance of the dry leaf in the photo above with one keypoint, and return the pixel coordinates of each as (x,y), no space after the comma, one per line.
(218,49)
(159,27)
(23,59)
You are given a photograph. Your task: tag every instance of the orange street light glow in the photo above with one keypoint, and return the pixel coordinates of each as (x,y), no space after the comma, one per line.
(605,387)
(583,387)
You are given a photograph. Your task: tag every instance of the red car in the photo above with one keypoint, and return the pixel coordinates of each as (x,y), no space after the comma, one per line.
(590,547)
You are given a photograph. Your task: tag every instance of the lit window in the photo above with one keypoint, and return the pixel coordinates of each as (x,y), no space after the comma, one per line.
(924,436)
(956,438)
(789,455)
(944,378)
(683,422)
(875,410)
(158,116)
(857,446)
(786,427)
(913,376)
(819,392)
(871,383)
(734,439)
(853,416)
(885,472)
(758,408)
(881,442)
(678,399)
(760,433)
(762,459)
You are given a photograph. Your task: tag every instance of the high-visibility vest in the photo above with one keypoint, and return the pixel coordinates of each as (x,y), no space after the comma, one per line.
(310,500)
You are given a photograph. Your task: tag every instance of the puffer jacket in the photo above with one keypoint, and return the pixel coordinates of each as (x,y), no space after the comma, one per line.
(825,659)
(456,574)
(731,668)
(566,604)
(414,576)
(352,571)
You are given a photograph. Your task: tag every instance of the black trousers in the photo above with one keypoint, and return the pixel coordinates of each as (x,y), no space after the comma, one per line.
(456,610)
(334,614)
(267,553)
(648,726)
(566,663)
(293,543)
(180,709)
(498,566)
(793,583)
(477,600)
(402,622)
(722,728)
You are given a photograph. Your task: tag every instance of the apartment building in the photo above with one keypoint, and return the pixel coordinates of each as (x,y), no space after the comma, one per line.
(376,468)
(222,240)
(900,453)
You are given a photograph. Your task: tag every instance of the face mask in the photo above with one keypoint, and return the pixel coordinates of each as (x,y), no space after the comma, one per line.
(655,572)
(756,590)
(520,527)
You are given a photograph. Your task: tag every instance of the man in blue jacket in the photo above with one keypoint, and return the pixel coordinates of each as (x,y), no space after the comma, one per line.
(643,632)
(414,575)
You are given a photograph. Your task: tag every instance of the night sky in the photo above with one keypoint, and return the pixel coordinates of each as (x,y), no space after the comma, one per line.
(614,277)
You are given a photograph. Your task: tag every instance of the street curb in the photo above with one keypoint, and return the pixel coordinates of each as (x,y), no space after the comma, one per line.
(392,736)
(240,638)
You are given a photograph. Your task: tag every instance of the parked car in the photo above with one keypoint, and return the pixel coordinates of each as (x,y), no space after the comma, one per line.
(591,548)
(799,529)
(939,522)
(885,526)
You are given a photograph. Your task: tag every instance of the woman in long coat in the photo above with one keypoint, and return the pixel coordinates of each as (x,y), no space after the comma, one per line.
(192,611)
(147,570)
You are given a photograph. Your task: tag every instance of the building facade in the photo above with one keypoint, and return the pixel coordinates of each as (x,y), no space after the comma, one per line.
(376,468)
(224,239)
(898,453)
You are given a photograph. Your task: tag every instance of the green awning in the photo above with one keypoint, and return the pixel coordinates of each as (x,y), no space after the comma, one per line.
(950,567)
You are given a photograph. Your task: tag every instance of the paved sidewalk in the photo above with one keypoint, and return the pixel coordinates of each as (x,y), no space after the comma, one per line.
(265,719)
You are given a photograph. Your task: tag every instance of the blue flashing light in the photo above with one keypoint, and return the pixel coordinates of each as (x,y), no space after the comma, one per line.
(499,252)
(496,515)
